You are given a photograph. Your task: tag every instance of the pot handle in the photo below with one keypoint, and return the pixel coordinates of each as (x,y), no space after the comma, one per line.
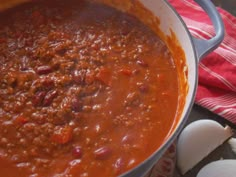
(203,47)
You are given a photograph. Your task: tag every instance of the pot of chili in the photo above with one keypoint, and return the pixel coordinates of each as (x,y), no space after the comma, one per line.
(95,88)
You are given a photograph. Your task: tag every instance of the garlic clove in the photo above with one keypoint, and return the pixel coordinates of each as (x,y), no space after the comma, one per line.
(197,140)
(220,168)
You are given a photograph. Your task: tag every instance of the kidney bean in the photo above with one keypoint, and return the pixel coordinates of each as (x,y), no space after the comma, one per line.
(15,158)
(119,165)
(49,97)
(143,87)
(127,139)
(131,162)
(125,31)
(76,105)
(132,99)
(142,63)
(21,43)
(44,70)
(79,76)
(24,63)
(38,98)
(61,51)
(77,152)
(102,153)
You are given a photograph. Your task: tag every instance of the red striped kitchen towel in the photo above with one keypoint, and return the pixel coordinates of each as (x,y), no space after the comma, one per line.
(217,71)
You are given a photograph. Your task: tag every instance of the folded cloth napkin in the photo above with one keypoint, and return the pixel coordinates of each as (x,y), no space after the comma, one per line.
(217,71)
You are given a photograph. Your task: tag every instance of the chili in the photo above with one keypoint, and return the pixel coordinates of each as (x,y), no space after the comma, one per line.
(85,90)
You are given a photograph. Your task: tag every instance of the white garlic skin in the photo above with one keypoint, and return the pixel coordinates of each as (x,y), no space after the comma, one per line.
(197,140)
(220,168)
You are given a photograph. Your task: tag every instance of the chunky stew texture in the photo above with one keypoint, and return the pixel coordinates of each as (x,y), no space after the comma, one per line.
(85,90)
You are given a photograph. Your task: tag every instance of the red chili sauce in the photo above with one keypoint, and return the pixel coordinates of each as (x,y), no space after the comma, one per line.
(85,90)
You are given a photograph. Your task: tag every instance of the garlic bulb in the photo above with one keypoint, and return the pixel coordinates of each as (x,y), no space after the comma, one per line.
(220,168)
(198,140)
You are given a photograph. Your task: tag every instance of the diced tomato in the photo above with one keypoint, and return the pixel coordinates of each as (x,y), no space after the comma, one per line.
(62,135)
(104,75)
(21,120)
(126,71)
